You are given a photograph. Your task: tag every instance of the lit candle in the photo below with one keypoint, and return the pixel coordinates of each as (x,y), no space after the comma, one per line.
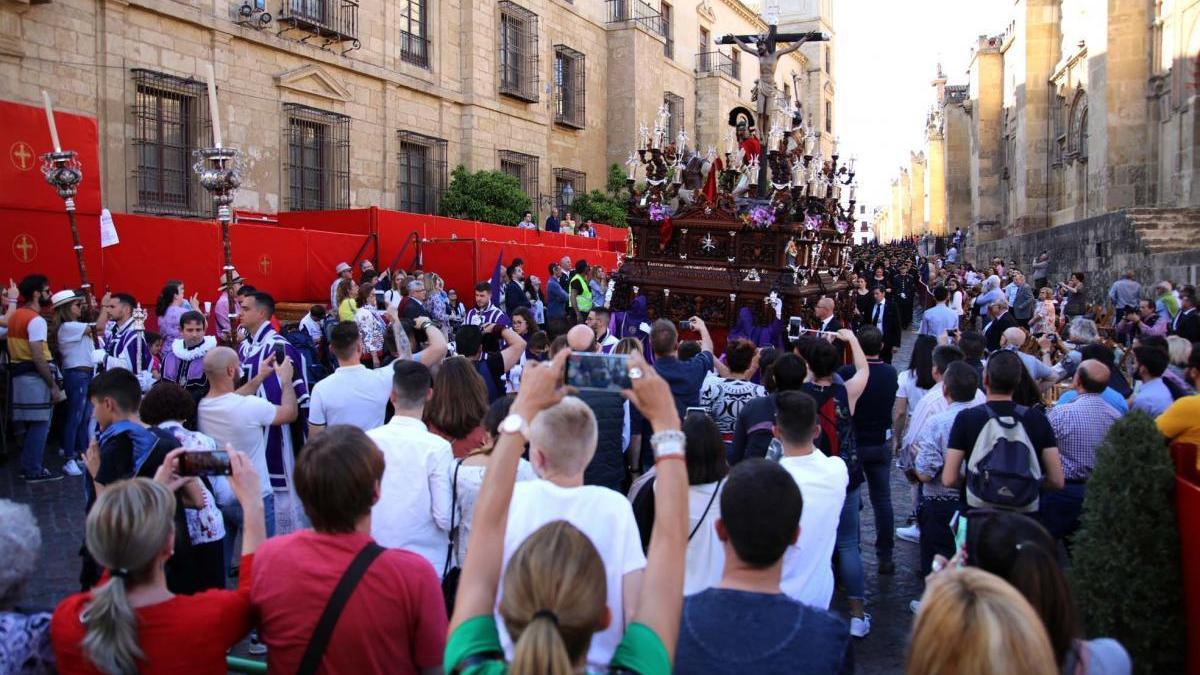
(50,121)
(808,143)
(835,145)
(853,191)
(212,106)
(852,160)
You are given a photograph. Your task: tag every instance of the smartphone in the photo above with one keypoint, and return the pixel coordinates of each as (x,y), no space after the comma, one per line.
(960,534)
(205,463)
(280,353)
(795,327)
(685,325)
(695,409)
(606,372)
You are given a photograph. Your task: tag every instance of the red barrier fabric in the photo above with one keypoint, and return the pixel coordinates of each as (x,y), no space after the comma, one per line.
(24,137)
(1187,512)
(40,242)
(324,251)
(350,221)
(153,250)
(446,257)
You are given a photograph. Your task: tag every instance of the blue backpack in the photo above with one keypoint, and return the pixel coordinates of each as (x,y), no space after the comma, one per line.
(1003,471)
(302,342)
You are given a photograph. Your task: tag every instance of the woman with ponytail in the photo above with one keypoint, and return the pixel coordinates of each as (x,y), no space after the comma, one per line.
(554,595)
(131,622)
(1019,550)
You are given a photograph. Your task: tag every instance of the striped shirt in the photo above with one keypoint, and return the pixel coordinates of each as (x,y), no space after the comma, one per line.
(931,446)
(1080,426)
(489,314)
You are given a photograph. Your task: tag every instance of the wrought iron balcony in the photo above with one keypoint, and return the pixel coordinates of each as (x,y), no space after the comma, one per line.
(329,20)
(717,63)
(638,11)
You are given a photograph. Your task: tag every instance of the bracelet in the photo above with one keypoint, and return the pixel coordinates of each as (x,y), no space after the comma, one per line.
(668,442)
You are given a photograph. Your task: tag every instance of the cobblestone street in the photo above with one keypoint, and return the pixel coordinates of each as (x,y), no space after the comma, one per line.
(59,510)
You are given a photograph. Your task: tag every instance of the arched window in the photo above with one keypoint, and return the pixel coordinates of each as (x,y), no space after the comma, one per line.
(1078,134)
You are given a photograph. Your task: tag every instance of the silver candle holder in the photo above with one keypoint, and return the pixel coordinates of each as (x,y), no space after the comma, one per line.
(220,173)
(64,173)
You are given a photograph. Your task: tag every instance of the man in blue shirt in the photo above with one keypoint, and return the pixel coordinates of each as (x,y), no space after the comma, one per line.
(1153,396)
(745,623)
(685,377)
(939,318)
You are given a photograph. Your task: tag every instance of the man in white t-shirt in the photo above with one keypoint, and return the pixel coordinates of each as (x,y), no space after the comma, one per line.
(562,440)
(239,418)
(413,511)
(807,573)
(353,394)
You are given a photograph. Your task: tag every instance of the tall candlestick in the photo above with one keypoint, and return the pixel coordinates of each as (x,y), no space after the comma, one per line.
(212,106)
(50,121)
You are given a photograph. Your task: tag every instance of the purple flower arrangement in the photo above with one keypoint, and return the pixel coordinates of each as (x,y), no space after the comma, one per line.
(658,212)
(762,216)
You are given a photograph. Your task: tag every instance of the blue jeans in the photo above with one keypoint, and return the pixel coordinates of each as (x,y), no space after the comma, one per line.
(34,446)
(79,412)
(877,466)
(1059,510)
(849,563)
(232,515)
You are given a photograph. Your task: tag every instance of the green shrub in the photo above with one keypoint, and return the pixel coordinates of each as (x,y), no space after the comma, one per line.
(1125,565)
(600,208)
(488,196)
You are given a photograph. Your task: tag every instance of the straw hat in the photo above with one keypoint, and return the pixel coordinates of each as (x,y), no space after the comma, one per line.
(63,297)
(237,279)
(342,267)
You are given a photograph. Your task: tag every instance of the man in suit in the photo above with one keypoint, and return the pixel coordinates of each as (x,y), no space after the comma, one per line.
(886,318)
(826,319)
(1023,302)
(414,305)
(1000,320)
(1187,322)
(514,292)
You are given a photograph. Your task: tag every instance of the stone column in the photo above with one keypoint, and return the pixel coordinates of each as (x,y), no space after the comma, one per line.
(936,157)
(916,197)
(985,108)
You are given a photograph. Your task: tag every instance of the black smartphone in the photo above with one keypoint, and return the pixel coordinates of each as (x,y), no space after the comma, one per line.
(588,370)
(280,353)
(205,463)
(685,324)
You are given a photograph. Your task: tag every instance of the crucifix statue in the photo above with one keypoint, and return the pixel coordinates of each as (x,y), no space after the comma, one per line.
(765,46)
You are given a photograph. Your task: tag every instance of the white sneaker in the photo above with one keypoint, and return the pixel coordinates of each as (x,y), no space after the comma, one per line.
(911,533)
(860,627)
(72,468)
(914,606)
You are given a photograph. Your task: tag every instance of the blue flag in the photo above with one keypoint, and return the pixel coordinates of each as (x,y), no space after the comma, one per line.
(496,279)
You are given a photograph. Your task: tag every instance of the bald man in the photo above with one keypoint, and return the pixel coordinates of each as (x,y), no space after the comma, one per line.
(1079,426)
(608,467)
(1013,338)
(826,318)
(237,417)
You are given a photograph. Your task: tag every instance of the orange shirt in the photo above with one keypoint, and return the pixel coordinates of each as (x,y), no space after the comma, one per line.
(19,344)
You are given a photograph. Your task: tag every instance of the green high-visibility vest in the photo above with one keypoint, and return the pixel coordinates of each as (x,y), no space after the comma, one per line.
(583,300)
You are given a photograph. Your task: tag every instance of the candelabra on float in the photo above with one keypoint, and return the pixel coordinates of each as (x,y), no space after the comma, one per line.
(64,172)
(219,169)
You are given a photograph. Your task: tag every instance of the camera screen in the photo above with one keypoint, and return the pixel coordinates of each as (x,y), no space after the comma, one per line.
(598,371)
(205,463)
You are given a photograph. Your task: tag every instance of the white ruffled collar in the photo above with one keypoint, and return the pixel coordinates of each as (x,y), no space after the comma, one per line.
(185,354)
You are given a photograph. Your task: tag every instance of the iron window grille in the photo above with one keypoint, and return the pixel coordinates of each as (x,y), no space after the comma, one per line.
(736,59)
(170,121)
(524,168)
(562,178)
(638,11)
(828,117)
(423,172)
(332,20)
(518,52)
(668,31)
(674,105)
(414,32)
(570,87)
(317,164)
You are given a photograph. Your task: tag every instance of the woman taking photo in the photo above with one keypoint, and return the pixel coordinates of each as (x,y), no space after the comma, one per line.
(347,291)
(1074,303)
(1045,318)
(73,342)
(458,405)
(554,595)
(131,622)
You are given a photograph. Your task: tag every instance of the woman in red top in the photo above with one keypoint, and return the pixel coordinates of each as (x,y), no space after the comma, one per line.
(132,623)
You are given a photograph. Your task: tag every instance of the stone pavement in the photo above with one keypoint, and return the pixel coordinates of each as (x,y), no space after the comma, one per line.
(59,510)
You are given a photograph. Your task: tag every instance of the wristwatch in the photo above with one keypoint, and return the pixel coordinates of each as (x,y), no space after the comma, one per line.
(514,424)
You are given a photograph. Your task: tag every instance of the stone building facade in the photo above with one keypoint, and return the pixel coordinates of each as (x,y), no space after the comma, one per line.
(1076,131)
(353,103)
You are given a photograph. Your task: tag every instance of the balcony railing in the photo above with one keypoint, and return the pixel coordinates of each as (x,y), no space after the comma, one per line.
(717,63)
(414,49)
(638,11)
(333,20)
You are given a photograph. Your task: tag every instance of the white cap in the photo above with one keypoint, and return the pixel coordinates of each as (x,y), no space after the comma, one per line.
(343,267)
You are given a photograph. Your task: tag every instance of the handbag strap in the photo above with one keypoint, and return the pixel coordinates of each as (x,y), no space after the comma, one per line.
(704,515)
(315,651)
(453,539)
